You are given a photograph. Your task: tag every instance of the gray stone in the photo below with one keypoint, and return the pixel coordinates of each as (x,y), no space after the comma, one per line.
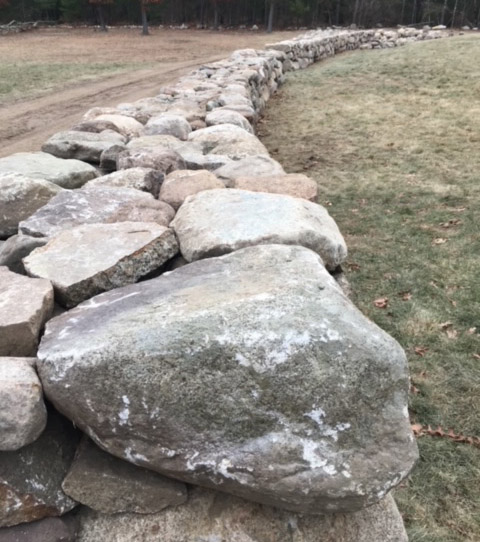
(253,166)
(184,182)
(294,184)
(126,126)
(62,529)
(87,146)
(20,197)
(168,124)
(157,142)
(251,373)
(30,478)
(140,178)
(95,206)
(16,248)
(25,305)
(105,256)
(109,157)
(228,117)
(110,485)
(221,221)
(214,517)
(229,140)
(161,160)
(22,411)
(44,166)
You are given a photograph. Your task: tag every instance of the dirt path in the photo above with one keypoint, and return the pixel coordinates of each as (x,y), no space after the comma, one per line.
(26,124)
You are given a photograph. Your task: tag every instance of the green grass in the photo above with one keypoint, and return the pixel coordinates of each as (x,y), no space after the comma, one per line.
(393,139)
(26,80)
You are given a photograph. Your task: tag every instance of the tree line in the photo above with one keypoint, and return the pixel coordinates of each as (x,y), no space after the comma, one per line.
(234,13)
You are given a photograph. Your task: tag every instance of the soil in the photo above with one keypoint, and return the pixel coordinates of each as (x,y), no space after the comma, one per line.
(162,57)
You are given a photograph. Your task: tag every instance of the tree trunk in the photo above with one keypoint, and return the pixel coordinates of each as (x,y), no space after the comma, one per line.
(145,31)
(103,26)
(414,12)
(270,17)
(355,11)
(444,11)
(454,13)
(215,16)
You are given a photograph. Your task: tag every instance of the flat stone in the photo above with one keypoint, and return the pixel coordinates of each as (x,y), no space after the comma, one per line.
(110,485)
(294,184)
(25,305)
(44,166)
(16,248)
(253,166)
(168,124)
(22,411)
(126,126)
(184,182)
(251,373)
(87,146)
(62,529)
(95,206)
(229,140)
(161,160)
(20,197)
(30,478)
(140,178)
(222,221)
(210,516)
(105,256)
(228,117)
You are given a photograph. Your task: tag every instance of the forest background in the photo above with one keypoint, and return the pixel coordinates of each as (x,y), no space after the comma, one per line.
(236,13)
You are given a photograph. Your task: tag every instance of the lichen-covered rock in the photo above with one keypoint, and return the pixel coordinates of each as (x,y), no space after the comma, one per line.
(209,516)
(22,411)
(94,206)
(44,166)
(110,485)
(184,182)
(20,197)
(87,146)
(221,221)
(84,261)
(251,373)
(25,305)
(140,178)
(294,184)
(30,478)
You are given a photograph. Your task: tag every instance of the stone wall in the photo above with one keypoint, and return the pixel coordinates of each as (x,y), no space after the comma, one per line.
(172,292)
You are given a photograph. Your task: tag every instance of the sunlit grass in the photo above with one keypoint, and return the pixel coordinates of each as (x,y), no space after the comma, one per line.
(393,139)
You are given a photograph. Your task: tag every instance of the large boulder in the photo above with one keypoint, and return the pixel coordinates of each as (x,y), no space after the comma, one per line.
(20,197)
(228,139)
(159,159)
(294,184)
(168,124)
(16,248)
(140,178)
(214,517)
(110,485)
(63,529)
(253,166)
(104,256)
(184,182)
(44,166)
(221,221)
(93,206)
(126,126)
(30,478)
(251,373)
(25,305)
(22,411)
(228,117)
(87,146)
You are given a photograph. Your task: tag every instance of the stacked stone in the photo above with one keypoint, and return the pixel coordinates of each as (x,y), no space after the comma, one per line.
(195,333)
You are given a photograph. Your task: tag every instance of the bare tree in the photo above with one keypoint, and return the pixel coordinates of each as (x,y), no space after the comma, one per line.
(99,4)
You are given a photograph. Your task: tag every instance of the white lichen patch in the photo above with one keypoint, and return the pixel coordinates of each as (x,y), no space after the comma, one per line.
(125,413)
(317,415)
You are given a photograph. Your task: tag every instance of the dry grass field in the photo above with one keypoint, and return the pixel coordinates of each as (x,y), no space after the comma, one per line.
(50,77)
(393,138)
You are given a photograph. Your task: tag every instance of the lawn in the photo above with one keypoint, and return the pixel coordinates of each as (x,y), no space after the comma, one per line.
(393,139)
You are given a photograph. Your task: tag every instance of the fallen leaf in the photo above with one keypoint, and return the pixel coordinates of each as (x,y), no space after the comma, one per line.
(445,325)
(452,333)
(421,350)
(406,296)
(417,428)
(451,223)
(472,331)
(353,266)
(381,303)
(476,356)
(439,241)
(414,390)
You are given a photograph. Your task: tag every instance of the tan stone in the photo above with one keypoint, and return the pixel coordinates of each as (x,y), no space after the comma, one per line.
(295,184)
(180,184)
